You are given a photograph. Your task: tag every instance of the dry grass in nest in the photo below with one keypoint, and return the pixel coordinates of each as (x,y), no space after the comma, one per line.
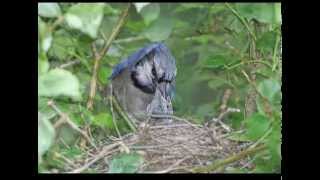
(168,148)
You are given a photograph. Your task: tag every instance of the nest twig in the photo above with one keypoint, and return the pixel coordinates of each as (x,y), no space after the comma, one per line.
(173,148)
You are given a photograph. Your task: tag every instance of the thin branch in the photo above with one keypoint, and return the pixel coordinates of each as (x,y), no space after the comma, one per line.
(241,20)
(130,39)
(267,133)
(229,110)
(274,58)
(106,150)
(67,120)
(112,113)
(231,159)
(168,126)
(94,50)
(123,114)
(64,143)
(103,36)
(224,110)
(67,160)
(224,113)
(260,61)
(115,31)
(225,98)
(71,63)
(58,123)
(167,145)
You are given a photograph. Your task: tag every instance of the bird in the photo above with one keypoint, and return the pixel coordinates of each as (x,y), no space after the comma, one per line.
(144,82)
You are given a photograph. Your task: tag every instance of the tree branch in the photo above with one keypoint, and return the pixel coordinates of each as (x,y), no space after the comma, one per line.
(97,59)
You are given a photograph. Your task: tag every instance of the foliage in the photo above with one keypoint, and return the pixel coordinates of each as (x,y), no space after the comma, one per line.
(215,45)
(46,134)
(125,163)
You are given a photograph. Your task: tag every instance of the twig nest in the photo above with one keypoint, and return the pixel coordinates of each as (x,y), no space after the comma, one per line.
(177,147)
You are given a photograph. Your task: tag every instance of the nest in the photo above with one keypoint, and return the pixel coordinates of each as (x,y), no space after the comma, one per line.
(177,147)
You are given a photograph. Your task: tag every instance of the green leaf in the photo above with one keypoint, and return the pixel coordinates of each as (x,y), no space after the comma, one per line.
(107,25)
(49,10)
(44,35)
(63,45)
(263,12)
(216,61)
(103,74)
(136,26)
(109,10)
(140,6)
(257,125)
(269,89)
(103,120)
(43,64)
(266,42)
(126,163)
(278,17)
(45,110)
(73,152)
(46,135)
(150,12)
(59,82)
(159,29)
(88,116)
(86,18)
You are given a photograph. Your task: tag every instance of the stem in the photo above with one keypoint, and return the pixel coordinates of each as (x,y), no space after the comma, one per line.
(129,40)
(241,19)
(71,63)
(113,118)
(262,138)
(248,62)
(83,61)
(115,31)
(123,114)
(275,59)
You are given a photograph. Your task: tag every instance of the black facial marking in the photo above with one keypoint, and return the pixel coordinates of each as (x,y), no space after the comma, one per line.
(149,89)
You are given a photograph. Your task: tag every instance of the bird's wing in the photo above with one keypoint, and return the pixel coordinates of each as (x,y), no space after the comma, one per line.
(164,63)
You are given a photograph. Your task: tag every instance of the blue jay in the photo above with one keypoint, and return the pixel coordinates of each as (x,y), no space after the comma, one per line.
(144,83)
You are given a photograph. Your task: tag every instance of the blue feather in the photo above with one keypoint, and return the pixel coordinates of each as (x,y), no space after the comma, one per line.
(133,59)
